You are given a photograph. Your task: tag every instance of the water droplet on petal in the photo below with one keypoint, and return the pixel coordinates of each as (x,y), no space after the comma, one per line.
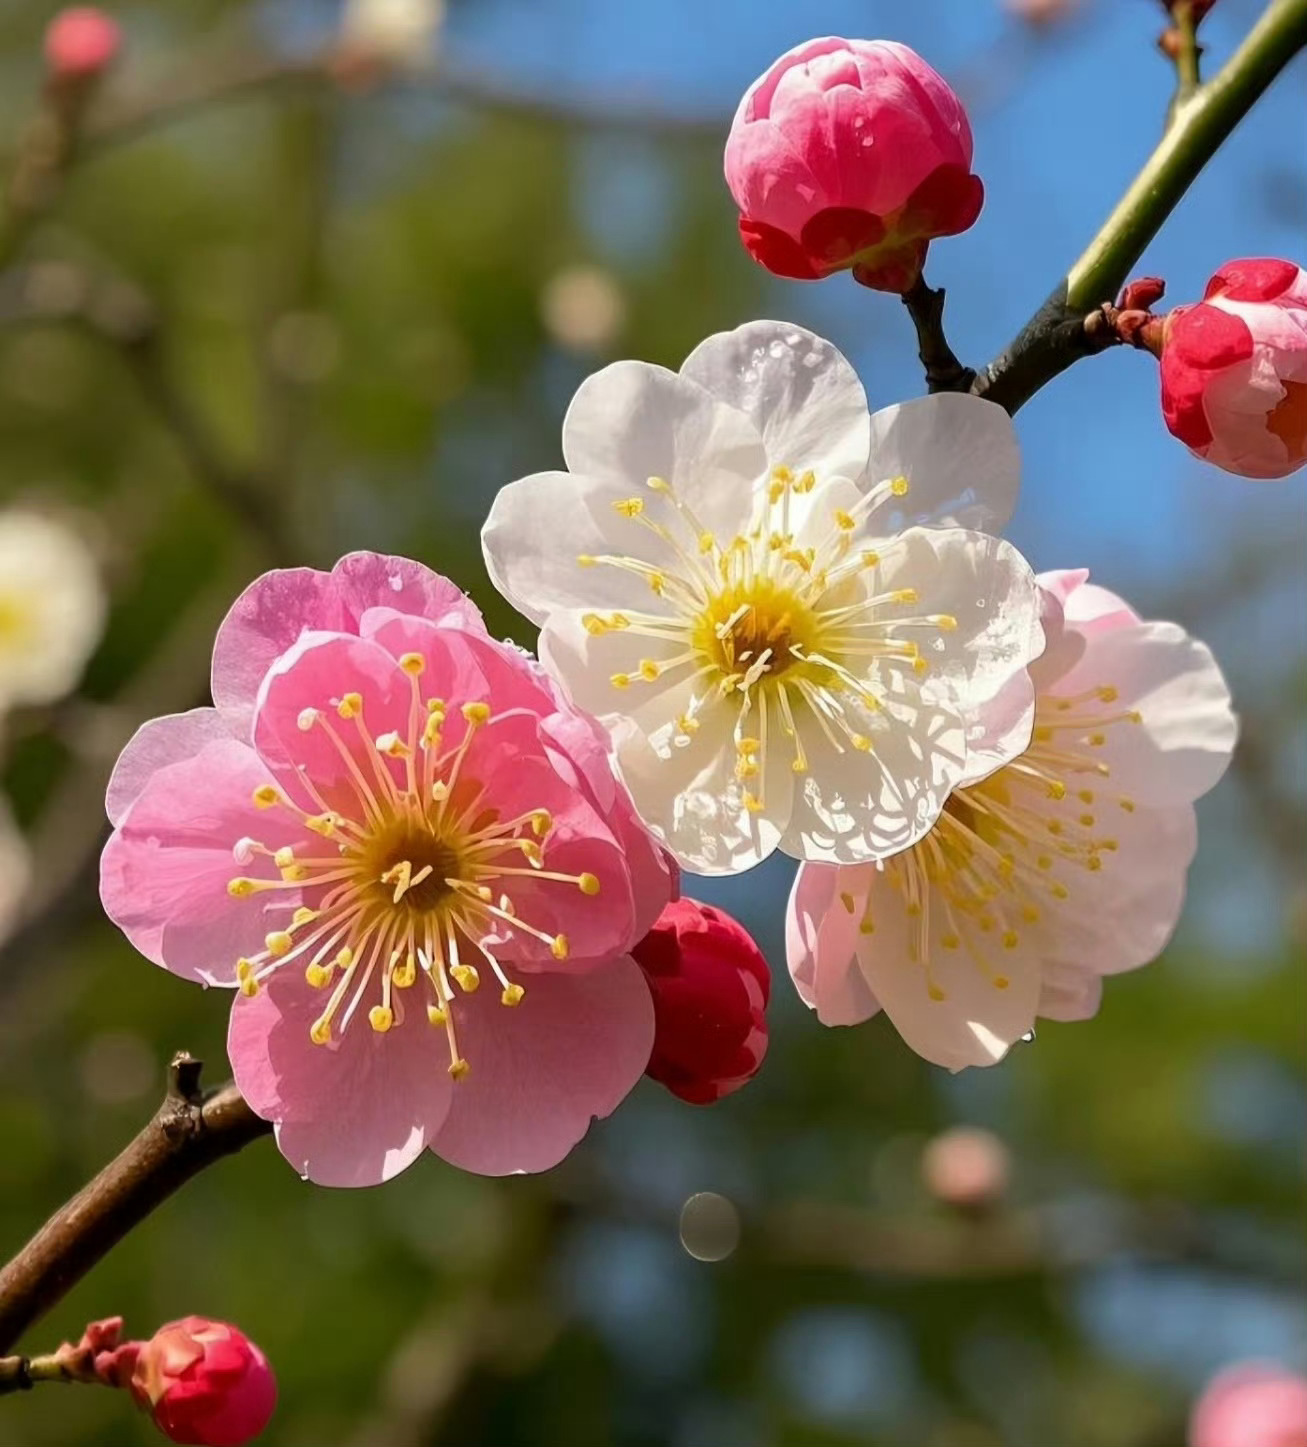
(777,349)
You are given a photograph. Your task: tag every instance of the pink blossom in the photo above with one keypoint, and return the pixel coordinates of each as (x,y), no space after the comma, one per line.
(850,153)
(966,1167)
(1251,1405)
(386,810)
(1234,370)
(204,1383)
(1042,876)
(81,43)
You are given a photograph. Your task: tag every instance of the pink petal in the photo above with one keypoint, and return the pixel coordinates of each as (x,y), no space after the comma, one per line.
(541,1071)
(821,936)
(156,744)
(353,1113)
(165,870)
(275,609)
(316,673)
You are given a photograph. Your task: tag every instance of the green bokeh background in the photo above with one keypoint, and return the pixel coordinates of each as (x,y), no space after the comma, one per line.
(347,289)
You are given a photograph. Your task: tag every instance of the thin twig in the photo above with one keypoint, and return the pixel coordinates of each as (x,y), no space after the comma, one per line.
(189,1131)
(944,373)
(1061,331)
(1188,53)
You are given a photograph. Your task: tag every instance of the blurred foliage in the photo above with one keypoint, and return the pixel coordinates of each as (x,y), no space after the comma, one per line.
(346,290)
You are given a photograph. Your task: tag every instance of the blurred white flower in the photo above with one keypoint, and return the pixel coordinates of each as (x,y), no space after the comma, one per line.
(583,308)
(52,608)
(15,872)
(396,32)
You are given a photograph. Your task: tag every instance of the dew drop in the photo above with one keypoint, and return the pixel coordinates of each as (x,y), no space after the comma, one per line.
(812,359)
(396,583)
(777,349)
(1028,1038)
(868,140)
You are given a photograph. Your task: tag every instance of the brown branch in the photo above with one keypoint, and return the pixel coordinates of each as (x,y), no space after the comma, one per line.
(944,373)
(190,1130)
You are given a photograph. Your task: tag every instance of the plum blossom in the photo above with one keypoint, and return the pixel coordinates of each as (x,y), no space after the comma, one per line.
(1042,876)
(52,608)
(1254,1404)
(850,153)
(386,810)
(1234,370)
(734,573)
(710,985)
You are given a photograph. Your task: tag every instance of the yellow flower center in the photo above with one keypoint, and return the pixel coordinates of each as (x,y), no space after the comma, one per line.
(415,880)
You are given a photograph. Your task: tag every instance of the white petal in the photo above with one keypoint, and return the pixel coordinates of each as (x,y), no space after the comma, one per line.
(987,587)
(976,1021)
(1188,732)
(585,664)
(632,421)
(1069,993)
(999,730)
(852,807)
(960,456)
(694,802)
(540,525)
(799,392)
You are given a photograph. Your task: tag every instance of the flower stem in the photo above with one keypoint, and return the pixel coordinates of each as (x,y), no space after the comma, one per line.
(1056,335)
(944,373)
(189,1131)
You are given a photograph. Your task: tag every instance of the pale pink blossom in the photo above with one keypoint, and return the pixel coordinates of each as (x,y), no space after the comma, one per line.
(1254,1404)
(1042,876)
(850,153)
(385,811)
(1234,369)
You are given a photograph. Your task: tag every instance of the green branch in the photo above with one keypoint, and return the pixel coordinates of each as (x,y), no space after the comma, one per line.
(1064,328)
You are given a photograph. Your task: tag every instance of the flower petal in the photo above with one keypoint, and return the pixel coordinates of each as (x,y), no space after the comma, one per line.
(156,744)
(852,807)
(352,1113)
(800,393)
(1188,730)
(821,935)
(960,456)
(165,870)
(276,608)
(568,1054)
(950,1012)
(632,421)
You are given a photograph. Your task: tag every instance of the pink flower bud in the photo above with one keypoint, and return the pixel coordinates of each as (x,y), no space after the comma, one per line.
(205,1383)
(966,1167)
(709,983)
(1252,1405)
(81,43)
(850,153)
(1234,370)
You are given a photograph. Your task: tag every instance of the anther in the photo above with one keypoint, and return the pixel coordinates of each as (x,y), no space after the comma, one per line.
(558,947)
(945,622)
(459,1069)
(249,987)
(278,942)
(345,957)
(284,857)
(1056,789)
(350,705)
(899,486)
(322,824)
(303,915)
(629,507)
(381,1018)
(317,975)
(843,521)
(1010,940)
(476,713)
(904,595)
(412,663)
(465,977)
(620,680)
(512,995)
(649,670)
(266,795)
(588,883)
(437,1015)
(320,1032)
(239,888)
(392,746)
(307,718)
(542,822)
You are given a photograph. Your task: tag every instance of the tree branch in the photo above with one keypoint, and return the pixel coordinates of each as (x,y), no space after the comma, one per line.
(944,373)
(1064,328)
(189,1131)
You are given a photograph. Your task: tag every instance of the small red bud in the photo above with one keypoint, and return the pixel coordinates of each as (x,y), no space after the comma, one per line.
(204,1383)
(1142,293)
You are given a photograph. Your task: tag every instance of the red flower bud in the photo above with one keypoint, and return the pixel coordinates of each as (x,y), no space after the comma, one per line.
(710,984)
(850,153)
(204,1383)
(81,43)
(1234,370)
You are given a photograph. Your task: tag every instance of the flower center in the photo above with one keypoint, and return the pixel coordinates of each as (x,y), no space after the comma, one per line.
(1003,848)
(777,626)
(416,879)
(15,620)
